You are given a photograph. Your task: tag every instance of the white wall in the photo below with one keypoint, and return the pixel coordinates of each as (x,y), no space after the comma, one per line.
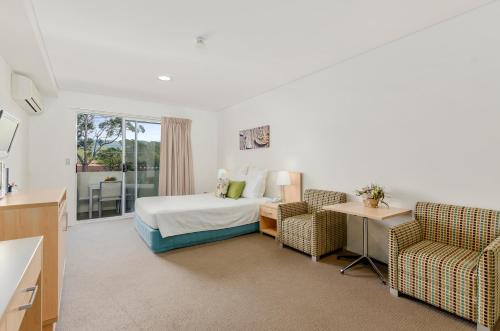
(53,139)
(420,116)
(17,161)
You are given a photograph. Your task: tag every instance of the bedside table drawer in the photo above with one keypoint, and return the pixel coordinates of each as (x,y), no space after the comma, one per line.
(269,212)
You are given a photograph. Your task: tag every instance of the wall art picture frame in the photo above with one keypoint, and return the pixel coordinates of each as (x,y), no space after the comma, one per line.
(259,137)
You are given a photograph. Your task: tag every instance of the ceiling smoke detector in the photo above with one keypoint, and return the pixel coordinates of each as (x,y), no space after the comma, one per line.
(200,40)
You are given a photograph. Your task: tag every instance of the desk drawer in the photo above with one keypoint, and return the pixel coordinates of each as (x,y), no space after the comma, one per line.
(25,293)
(269,212)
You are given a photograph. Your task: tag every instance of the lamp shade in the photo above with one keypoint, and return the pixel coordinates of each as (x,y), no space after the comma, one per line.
(221,173)
(283,178)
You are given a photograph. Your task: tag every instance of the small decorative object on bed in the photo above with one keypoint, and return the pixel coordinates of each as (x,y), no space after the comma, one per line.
(372,195)
(255,138)
(222,183)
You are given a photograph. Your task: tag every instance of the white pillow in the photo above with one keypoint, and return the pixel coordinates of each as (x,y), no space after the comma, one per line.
(257,178)
(253,186)
(238,174)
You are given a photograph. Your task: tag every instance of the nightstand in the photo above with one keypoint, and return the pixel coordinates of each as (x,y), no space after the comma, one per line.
(268,217)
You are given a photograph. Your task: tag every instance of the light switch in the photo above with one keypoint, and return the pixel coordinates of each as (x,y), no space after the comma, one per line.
(68,161)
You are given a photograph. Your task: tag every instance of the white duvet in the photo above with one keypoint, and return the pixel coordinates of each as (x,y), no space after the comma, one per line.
(176,215)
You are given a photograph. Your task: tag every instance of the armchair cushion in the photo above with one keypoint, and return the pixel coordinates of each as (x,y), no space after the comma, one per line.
(442,275)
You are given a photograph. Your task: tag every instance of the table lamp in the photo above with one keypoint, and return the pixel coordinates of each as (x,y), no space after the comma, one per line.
(283,180)
(221,173)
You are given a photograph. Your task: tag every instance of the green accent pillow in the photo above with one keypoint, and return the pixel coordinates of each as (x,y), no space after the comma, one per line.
(235,189)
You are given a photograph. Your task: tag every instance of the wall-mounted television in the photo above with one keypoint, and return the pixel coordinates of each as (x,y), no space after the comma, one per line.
(8,129)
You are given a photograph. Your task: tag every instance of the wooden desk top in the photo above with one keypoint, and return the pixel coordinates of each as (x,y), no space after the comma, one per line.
(33,198)
(359,209)
(15,257)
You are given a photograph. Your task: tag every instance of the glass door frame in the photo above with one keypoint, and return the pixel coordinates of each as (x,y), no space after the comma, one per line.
(124,164)
(124,118)
(136,120)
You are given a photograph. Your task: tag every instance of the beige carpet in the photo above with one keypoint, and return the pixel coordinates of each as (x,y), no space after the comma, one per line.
(113,282)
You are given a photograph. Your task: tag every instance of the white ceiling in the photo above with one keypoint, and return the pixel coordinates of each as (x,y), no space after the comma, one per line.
(119,47)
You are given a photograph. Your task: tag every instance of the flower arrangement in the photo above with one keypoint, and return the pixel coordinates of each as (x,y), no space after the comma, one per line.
(372,195)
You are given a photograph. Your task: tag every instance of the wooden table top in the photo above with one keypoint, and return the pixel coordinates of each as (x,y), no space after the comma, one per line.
(33,198)
(359,209)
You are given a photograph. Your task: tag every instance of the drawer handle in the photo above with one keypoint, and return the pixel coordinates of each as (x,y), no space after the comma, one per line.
(33,291)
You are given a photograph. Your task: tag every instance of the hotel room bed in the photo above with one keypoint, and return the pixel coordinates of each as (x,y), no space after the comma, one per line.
(169,222)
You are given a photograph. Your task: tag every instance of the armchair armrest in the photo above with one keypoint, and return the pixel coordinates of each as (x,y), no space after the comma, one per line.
(328,231)
(401,237)
(286,210)
(489,284)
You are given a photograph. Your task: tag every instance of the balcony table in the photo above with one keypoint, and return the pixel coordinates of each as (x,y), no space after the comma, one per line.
(97,187)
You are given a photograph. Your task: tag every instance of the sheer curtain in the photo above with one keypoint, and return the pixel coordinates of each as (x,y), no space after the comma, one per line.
(176,157)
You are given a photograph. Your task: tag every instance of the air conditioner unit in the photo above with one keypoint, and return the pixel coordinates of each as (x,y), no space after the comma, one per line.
(25,93)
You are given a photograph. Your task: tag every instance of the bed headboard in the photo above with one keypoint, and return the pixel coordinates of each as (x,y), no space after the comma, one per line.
(293,192)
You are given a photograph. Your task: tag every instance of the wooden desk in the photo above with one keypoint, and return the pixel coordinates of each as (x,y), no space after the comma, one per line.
(21,284)
(367,213)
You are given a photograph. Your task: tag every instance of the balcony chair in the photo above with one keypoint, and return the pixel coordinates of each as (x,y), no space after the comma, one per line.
(110,191)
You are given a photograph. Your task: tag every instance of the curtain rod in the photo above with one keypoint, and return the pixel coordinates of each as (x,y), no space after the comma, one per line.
(125,115)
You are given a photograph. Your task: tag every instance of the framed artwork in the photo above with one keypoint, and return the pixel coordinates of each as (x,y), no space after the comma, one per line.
(255,138)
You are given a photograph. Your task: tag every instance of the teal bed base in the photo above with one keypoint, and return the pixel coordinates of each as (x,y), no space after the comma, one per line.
(157,244)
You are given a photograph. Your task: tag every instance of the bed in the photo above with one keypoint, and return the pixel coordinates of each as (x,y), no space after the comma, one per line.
(170,222)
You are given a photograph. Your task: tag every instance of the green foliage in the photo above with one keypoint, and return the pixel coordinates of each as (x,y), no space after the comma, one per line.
(110,157)
(93,133)
(373,191)
(96,137)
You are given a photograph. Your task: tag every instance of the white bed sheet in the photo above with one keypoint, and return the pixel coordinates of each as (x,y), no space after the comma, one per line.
(174,215)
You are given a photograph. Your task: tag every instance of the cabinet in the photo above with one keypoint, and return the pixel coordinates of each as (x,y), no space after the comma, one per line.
(22,285)
(268,217)
(40,213)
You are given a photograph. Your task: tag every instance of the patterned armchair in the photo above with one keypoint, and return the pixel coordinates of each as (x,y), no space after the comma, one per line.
(308,228)
(449,256)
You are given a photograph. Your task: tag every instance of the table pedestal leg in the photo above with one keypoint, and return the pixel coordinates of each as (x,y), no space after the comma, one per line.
(365,254)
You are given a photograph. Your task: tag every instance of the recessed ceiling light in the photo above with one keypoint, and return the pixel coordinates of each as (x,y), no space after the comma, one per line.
(164,78)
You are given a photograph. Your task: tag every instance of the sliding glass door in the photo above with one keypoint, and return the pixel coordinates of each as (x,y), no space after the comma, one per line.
(117,161)
(142,155)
